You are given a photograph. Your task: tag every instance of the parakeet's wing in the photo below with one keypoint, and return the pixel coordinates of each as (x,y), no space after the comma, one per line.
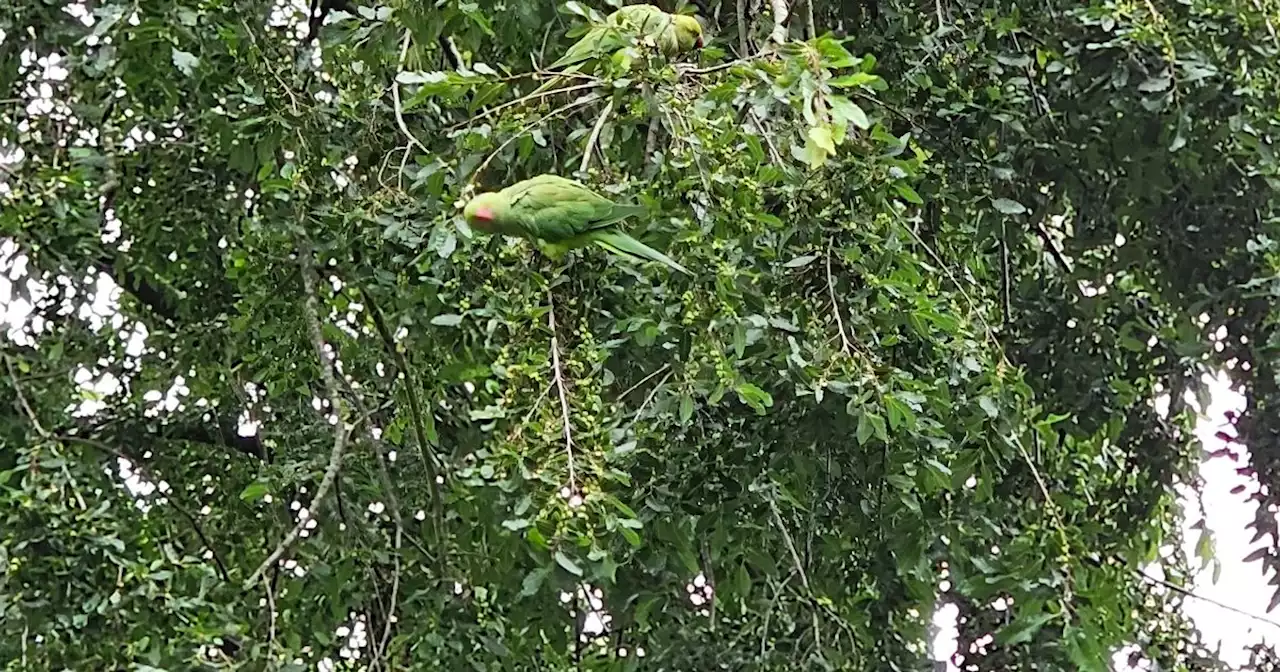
(620,243)
(668,41)
(643,18)
(555,208)
(685,34)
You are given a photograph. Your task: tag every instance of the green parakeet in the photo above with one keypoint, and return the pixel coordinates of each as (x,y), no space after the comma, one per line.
(559,214)
(674,34)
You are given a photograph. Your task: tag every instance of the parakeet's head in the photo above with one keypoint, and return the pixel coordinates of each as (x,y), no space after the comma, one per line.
(688,32)
(484,211)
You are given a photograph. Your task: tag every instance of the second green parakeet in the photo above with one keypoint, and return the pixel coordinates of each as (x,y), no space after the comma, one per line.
(559,214)
(674,34)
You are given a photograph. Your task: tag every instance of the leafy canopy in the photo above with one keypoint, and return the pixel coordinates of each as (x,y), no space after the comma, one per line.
(944,263)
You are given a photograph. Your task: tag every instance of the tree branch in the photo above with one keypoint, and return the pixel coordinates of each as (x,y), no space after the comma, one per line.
(595,136)
(795,558)
(420,420)
(564,398)
(395,96)
(835,305)
(780,14)
(311,312)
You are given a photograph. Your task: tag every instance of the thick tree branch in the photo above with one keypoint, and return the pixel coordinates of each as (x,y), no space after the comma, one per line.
(311,313)
(780,14)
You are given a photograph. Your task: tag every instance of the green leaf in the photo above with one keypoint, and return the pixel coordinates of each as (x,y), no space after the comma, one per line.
(568,564)
(447,320)
(753,396)
(1023,628)
(908,194)
(866,427)
(801,261)
(848,111)
(1009,207)
(742,581)
(533,581)
(1155,84)
(254,491)
(899,413)
(821,136)
(185,61)
(862,79)
(686,408)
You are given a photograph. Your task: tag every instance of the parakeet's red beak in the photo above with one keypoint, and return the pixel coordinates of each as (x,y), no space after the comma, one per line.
(484,214)
(701,44)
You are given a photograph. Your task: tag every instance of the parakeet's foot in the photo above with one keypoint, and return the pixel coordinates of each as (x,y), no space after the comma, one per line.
(552,250)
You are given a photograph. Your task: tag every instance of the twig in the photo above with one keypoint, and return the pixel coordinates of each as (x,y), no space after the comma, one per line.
(1006,281)
(764,631)
(648,398)
(644,380)
(515,433)
(585,100)
(595,136)
(1190,593)
(722,66)
(795,558)
(22,399)
(835,306)
(385,476)
(710,574)
(559,380)
(768,140)
(522,99)
(431,461)
(651,138)
(395,95)
(1053,247)
(271,616)
(743,46)
(311,313)
(1057,518)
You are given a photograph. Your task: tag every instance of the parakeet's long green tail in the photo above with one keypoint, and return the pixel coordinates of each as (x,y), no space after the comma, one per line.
(620,243)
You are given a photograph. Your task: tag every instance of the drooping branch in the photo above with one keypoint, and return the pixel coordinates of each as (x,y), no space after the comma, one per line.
(311,313)
(560,387)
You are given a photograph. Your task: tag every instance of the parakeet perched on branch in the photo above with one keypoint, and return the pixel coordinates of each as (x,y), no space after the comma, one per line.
(674,34)
(559,214)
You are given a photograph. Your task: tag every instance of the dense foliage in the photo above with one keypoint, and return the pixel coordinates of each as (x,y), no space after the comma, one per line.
(945,258)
